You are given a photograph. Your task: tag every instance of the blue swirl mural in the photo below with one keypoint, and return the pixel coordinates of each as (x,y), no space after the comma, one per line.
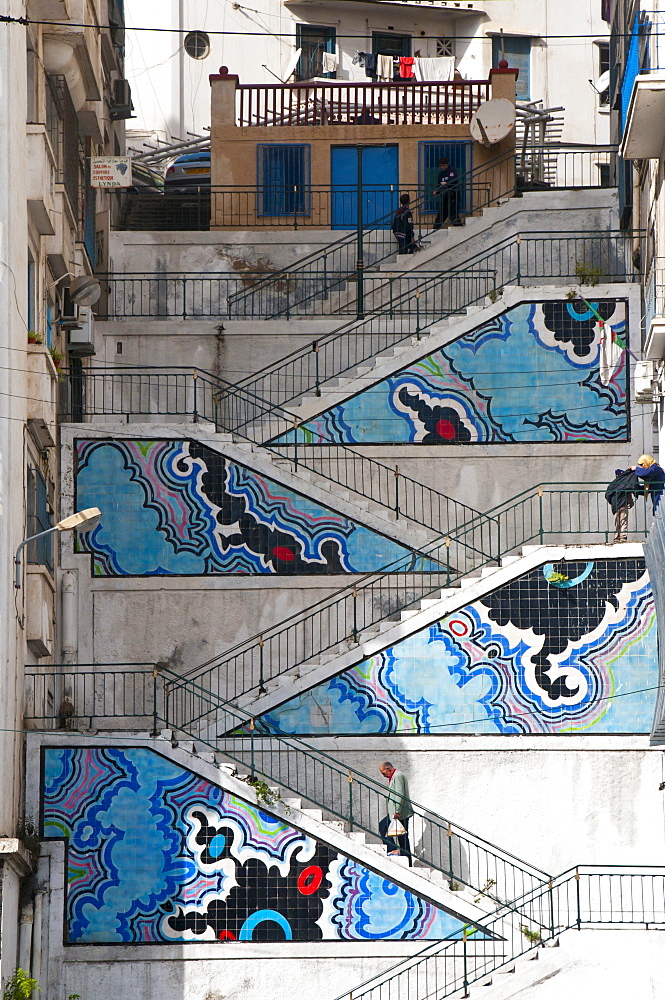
(537,373)
(180,508)
(536,656)
(156,854)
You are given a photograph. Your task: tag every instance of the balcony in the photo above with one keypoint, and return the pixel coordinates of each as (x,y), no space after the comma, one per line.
(642,97)
(341,103)
(40,180)
(654,311)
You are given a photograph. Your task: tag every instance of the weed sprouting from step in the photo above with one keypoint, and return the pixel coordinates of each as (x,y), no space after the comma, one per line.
(587,273)
(485,891)
(533,937)
(265,796)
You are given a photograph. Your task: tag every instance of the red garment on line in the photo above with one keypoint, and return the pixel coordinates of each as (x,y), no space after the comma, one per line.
(406,67)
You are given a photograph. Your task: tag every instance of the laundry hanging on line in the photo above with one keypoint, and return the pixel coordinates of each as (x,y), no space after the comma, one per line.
(441,68)
(406,67)
(330,62)
(384,68)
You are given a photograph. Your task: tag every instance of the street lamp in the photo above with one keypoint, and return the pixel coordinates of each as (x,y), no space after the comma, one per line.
(83,520)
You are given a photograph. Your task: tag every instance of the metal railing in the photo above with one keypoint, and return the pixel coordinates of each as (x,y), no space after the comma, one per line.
(520,260)
(593,896)
(205,295)
(408,102)
(561,513)
(198,395)
(137,698)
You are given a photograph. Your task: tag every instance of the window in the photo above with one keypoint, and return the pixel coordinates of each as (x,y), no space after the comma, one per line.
(458,155)
(197,44)
(445,46)
(32,293)
(283,179)
(32,113)
(40,552)
(314,40)
(391,45)
(517,51)
(603,81)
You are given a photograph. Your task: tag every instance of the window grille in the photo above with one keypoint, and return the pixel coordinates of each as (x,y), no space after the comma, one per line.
(445,46)
(40,552)
(283,179)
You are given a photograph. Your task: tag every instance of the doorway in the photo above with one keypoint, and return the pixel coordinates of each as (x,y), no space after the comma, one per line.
(379,183)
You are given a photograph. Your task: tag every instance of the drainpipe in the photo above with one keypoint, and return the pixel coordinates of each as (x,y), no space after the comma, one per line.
(25,936)
(36,967)
(69,643)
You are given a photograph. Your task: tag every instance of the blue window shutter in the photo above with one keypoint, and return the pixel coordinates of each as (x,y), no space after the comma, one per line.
(517,51)
(284,179)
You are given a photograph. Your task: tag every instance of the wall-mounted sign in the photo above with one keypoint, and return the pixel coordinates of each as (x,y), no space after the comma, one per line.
(110,171)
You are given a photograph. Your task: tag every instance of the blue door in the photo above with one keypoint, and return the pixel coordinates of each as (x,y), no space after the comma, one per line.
(380,185)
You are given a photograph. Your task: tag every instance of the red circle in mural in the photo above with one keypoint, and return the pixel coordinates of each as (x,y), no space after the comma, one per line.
(281,552)
(309,880)
(226,936)
(445,430)
(458,627)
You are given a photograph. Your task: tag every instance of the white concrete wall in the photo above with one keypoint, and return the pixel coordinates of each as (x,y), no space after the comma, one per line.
(171,91)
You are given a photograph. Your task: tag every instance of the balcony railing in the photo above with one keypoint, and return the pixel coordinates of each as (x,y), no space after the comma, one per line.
(339,103)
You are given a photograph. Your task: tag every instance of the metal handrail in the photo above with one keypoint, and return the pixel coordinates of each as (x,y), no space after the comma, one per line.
(583,896)
(160,696)
(515,259)
(180,391)
(344,254)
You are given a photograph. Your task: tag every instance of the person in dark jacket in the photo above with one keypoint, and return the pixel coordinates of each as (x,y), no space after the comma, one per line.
(447,189)
(402,226)
(619,495)
(652,476)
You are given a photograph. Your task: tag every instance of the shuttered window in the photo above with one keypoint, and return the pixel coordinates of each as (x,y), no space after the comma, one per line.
(458,155)
(517,51)
(283,179)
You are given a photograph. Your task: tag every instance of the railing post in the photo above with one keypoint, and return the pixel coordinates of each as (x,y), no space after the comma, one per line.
(448,564)
(451,884)
(184,298)
(262,689)
(355,614)
(519,260)
(551,895)
(167,695)
(540,514)
(295,444)
(360,255)
(155,674)
(350,781)
(288,295)
(315,348)
(195,379)
(417,315)
(577,888)
(397,492)
(466,970)
(252,728)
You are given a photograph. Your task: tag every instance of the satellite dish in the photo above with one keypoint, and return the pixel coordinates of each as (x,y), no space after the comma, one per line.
(493,121)
(291,65)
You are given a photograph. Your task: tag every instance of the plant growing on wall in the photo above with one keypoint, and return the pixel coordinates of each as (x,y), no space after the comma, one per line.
(20,986)
(588,274)
(265,796)
(533,937)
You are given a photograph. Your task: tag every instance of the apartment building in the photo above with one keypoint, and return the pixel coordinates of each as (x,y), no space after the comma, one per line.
(65,98)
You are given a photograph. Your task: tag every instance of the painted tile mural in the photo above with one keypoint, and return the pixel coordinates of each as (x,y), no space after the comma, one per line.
(536,373)
(532,657)
(180,508)
(157,854)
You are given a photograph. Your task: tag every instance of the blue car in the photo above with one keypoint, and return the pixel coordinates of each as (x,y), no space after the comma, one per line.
(188,172)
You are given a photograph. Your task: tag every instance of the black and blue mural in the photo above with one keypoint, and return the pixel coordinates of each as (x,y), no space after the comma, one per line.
(156,854)
(541,372)
(181,508)
(567,648)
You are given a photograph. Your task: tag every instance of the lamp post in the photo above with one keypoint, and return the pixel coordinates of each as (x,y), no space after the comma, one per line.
(83,520)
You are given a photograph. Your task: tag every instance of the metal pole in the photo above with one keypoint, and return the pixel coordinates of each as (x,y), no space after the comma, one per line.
(155,674)
(360,258)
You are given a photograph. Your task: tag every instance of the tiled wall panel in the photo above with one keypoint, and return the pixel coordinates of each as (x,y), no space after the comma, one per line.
(541,372)
(575,656)
(178,508)
(156,854)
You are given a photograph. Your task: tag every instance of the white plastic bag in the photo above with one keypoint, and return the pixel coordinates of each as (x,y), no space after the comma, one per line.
(396,829)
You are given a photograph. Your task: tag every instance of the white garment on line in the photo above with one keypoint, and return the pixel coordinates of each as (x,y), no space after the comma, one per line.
(330,62)
(441,68)
(384,68)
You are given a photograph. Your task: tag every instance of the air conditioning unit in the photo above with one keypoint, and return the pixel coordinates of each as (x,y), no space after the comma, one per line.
(69,312)
(80,339)
(122,106)
(645,387)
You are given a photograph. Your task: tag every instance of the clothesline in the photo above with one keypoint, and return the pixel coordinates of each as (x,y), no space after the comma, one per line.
(383,67)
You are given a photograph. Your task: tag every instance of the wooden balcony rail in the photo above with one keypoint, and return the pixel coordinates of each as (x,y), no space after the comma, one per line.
(339,103)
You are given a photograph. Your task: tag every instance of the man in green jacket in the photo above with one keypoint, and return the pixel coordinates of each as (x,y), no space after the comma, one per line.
(399,807)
